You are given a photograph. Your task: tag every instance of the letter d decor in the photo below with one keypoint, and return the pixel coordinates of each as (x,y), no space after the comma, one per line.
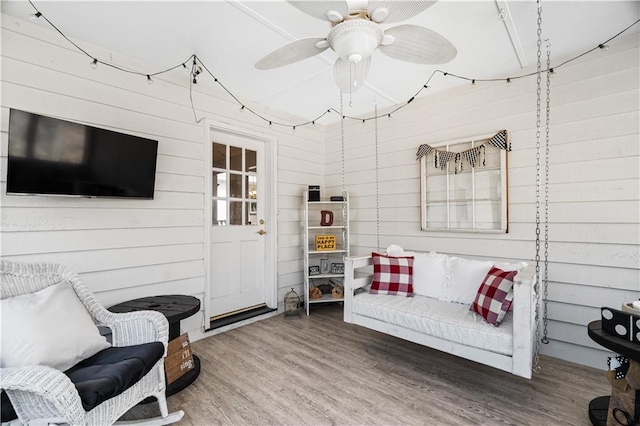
(327,218)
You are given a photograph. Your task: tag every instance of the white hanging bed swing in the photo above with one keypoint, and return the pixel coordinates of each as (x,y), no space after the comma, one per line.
(514,346)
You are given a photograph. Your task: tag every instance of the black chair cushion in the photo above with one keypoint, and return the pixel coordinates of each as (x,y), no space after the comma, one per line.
(108,373)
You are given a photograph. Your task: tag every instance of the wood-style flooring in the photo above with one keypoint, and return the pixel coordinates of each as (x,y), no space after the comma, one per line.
(318,370)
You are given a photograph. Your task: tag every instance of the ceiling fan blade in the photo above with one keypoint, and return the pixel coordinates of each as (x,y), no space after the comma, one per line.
(319,9)
(418,45)
(396,10)
(349,76)
(292,52)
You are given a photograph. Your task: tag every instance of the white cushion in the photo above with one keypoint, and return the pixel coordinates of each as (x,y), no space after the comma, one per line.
(466,277)
(450,321)
(430,274)
(50,327)
(395,250)
(510,266)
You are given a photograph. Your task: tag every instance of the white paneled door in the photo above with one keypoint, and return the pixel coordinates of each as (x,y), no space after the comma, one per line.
(238,226)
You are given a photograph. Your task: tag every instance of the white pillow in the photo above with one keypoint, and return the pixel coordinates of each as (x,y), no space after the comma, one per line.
(50,327)
(466,277)
(430,274)
(510,266)
(395,250)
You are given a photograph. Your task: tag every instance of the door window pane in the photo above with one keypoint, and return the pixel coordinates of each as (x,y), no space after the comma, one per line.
(252,187)
(251,161)
(252,213)
(219,213)
(235,186)
(219,187)
(235,158)
(219,156)
(235,213)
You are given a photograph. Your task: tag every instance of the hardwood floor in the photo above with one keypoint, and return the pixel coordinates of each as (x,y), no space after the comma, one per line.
(318,370)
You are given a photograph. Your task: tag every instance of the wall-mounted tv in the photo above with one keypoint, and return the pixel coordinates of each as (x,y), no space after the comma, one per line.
(49,156)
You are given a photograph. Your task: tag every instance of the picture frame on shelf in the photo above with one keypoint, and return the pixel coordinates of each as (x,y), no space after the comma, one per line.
(314,270)
(337,268)
(325,266)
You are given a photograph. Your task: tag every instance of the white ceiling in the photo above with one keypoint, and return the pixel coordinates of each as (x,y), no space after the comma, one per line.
(231,36)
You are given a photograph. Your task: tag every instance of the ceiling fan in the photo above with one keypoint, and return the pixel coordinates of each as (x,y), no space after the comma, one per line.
(356,32)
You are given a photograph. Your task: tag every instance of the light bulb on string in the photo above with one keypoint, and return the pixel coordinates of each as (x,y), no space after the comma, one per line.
(94,63)
(473,83)
(603,46)
(389,117)
(552,73)
(241,108)
(149,79)
(35,17)
(270,124)
(293,129)
(508,82)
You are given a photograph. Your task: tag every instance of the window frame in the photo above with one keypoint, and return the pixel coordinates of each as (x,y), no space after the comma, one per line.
(504,179)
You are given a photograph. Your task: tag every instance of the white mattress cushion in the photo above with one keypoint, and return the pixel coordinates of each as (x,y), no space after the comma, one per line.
(446,320)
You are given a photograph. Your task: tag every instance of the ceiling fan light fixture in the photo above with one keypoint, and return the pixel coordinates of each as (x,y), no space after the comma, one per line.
(355,40)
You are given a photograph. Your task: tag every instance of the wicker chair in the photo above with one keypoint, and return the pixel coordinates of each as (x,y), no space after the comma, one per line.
(41,394)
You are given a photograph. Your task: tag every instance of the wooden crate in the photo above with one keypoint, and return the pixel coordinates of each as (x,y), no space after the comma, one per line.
(179,358)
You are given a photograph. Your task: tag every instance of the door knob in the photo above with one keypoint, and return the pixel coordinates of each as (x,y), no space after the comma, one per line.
(262,232)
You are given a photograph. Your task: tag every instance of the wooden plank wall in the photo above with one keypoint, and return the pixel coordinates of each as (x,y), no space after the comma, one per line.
(594,211)
(133,248)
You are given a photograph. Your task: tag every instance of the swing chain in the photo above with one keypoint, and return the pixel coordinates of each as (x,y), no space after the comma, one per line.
(545,282)
(344,189)
(536,358)
(375,120)
(345,234)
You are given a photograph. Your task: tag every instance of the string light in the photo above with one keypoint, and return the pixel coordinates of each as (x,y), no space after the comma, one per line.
(198,69)
(293,129)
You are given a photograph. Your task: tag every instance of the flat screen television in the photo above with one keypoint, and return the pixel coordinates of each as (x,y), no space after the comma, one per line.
(49,156)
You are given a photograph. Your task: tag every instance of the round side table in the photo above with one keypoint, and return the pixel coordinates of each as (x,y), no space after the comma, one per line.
(174,307)
(598,407)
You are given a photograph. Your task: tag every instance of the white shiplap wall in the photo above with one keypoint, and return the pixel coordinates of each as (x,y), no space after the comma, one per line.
(134,248)
(594,210)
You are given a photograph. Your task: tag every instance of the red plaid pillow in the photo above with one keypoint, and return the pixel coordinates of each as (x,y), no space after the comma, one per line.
(392,275)
(495,295)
